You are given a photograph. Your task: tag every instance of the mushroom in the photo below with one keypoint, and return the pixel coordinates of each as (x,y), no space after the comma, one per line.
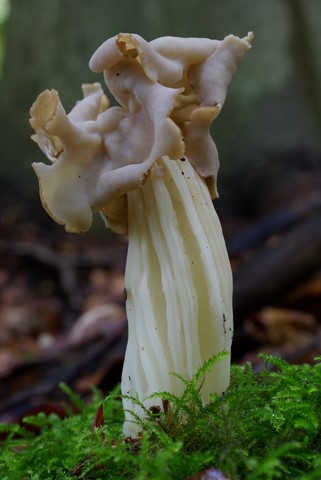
(150,167)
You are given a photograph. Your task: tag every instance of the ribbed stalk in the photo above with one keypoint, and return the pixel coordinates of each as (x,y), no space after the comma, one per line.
(179,287)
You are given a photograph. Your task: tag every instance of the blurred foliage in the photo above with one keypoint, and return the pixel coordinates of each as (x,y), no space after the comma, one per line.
(273,104)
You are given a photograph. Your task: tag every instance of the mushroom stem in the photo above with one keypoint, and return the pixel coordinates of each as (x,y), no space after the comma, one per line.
(179,288)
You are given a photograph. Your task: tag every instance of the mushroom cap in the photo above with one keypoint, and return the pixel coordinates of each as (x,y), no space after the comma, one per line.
(201,67)
(169,91)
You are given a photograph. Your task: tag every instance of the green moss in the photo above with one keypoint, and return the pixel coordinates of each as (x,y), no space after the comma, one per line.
(267,426)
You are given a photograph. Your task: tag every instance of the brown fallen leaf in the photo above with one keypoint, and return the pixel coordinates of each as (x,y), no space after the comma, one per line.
(101,319)
(277,326)
(99,419)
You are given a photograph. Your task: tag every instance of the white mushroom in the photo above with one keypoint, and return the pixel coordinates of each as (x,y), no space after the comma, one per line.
(150,167)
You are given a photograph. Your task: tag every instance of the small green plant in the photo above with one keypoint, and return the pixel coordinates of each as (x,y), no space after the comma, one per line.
(266,426)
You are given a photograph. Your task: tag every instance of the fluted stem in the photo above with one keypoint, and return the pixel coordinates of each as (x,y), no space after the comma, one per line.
(179,287)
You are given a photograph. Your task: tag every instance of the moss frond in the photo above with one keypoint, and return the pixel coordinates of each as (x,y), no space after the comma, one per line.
(267,426)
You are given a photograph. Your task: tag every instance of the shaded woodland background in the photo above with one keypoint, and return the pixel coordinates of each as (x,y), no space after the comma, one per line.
(61,296)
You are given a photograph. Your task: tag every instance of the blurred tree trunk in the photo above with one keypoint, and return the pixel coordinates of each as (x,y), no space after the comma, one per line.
(306,59)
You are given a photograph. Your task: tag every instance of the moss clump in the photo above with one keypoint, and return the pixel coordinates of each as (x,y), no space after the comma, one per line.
(267,426)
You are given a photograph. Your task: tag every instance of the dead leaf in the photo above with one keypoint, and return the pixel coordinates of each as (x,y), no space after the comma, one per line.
(277,326)
(99,419)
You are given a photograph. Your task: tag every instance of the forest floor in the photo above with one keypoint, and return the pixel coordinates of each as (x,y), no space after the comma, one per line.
(62,302)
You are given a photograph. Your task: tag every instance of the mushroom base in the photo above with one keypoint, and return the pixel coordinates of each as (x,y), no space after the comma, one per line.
(179,288)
